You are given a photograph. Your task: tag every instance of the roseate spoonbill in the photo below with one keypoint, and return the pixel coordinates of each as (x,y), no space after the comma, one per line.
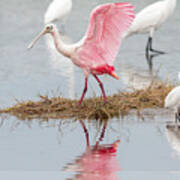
(58,10)
(96,52)
(172,100)
(150,19)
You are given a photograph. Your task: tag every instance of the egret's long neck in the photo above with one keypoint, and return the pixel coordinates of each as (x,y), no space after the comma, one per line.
(60,45)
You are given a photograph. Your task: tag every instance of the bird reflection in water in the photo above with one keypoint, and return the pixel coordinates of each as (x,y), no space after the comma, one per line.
(149,58)
(60,62)
(58,11)
(173,137)
(98,162)
(135,78)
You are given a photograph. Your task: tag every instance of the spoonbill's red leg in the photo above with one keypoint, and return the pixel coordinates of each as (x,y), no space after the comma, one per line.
(102,134)
(101,86)
(85,131)
(84,91)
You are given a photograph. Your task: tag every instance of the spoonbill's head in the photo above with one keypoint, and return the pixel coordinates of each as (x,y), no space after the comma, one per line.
(49,28)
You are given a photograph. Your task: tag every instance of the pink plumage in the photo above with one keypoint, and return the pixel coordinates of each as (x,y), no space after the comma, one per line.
(98,162)
(103,38)
(96,52)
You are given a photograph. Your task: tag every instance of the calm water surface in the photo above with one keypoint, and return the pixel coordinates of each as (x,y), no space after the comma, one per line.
(148,149)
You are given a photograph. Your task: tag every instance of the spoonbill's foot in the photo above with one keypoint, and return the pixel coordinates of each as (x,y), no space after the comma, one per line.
(106,101)
(79,104)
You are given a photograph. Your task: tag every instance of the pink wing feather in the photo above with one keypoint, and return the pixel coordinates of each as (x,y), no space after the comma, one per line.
(103,38)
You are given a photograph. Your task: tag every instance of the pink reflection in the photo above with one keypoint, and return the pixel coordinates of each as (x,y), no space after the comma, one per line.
(98,162)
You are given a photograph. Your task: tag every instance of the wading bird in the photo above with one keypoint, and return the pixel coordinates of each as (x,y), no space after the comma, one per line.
(58,10)
(97,50)
(150,19)
(172,100)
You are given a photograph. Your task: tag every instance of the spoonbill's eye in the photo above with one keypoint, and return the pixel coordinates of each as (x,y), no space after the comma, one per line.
(49,28)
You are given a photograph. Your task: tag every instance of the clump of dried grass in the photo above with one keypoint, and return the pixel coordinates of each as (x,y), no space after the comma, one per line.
(93,108)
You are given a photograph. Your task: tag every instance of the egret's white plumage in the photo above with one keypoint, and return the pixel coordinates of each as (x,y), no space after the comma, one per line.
(172,100)
(173,137)
(151,18)
(58,10)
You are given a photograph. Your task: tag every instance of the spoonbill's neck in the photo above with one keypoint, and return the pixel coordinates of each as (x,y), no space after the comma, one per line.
(63,48)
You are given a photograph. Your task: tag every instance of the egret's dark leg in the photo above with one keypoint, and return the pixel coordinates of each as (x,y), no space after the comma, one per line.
(176,117)
(84,91)
(149,47)
(101,86)
(149,58)
(149,61)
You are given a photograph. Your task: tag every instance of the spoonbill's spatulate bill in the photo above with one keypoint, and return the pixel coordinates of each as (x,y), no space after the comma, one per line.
(58,10)
(150,19)
(97,50)
(172,100)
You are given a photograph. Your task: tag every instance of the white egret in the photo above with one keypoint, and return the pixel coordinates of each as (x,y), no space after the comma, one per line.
(172,100)
(58,10)
(150,19)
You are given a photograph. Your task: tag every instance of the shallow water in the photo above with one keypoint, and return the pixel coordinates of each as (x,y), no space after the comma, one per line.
(43,150)
(58,149)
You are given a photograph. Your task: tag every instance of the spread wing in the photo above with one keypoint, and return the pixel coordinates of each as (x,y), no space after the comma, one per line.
(103,38)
